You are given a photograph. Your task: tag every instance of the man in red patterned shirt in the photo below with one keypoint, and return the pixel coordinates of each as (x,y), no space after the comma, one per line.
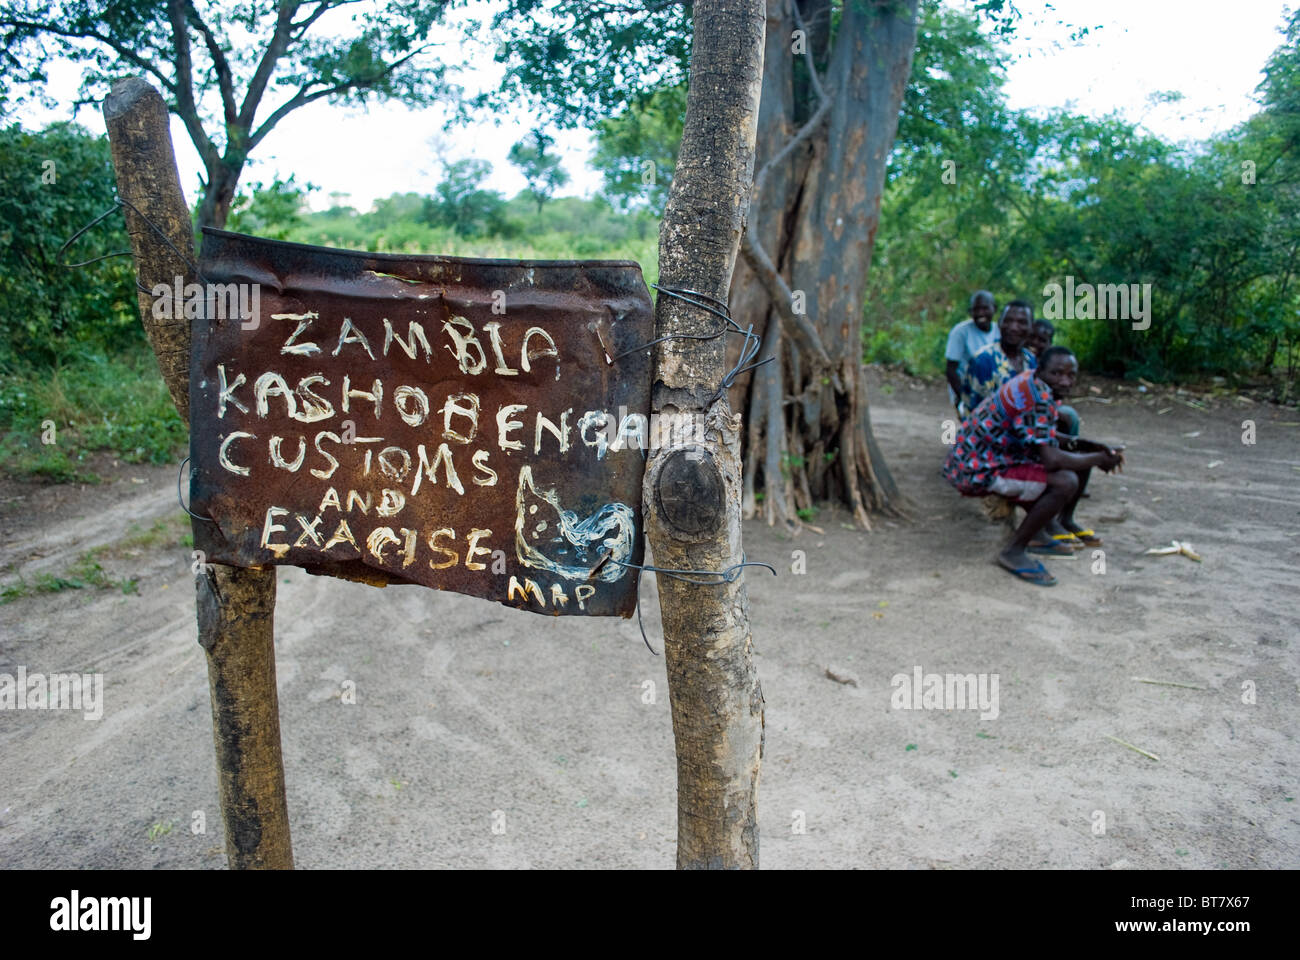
(1008,446)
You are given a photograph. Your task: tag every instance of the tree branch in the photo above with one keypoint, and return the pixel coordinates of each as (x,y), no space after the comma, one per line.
(225,79)
(807,53)
(758,259)
(778,292)
(126,53)
(323,6)
(803,134)
(184,90)
(302,98)
(274,50)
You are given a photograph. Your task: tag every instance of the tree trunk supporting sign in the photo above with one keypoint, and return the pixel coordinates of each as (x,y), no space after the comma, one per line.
(235,607)
(692,485)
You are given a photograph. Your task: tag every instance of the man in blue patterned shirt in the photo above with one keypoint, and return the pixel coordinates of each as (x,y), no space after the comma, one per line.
(998,362)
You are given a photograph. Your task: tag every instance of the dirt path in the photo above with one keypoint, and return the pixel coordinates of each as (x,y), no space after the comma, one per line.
(469,715)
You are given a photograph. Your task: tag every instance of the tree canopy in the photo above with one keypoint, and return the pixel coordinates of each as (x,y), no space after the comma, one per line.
(231,73)
(1031,199)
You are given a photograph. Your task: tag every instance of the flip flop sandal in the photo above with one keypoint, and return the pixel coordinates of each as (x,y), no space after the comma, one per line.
(1037,574)
(1070,540)
(1088,538)
(1050,549)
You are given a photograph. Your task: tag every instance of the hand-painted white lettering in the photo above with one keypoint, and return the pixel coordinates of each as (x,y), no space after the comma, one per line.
(464,343)
(560,433)
(426,469)
(505,425)
(527,356)
(376,395)
(494,331)
(269,527)
(357,337)
(309,532)
(226,392)
(464,405)
(524,590)
(489,478)
(334,464)
(598,420)
(304,321)
(452,555)
(278,461)
(391,503)
(342,534)
(314,407)
(407,553)
(472,548)
(223,457)
(387,466)
(379,538)
(412,405)
(271,384)
(331,499)
(414,332)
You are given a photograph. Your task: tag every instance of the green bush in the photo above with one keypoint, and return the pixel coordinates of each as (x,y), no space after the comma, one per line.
(52,184)
(94,402)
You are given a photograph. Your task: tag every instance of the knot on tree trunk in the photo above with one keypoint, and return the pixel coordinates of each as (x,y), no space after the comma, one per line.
(687,477)
(688,492)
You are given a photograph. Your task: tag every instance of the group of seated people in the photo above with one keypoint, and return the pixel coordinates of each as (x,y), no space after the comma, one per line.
(1016,439)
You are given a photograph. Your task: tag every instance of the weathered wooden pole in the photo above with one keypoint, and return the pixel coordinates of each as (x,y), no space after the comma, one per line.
(235,606)
(692,484)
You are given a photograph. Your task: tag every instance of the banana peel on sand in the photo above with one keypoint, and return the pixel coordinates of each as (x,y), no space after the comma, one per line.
(1175,547)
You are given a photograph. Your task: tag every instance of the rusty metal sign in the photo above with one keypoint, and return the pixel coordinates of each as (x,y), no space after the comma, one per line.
(469,425)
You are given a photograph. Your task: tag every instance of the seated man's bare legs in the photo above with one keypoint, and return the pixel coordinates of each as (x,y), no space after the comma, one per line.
(1082,534)
(1063,525)
(1062,489)
(1067,514)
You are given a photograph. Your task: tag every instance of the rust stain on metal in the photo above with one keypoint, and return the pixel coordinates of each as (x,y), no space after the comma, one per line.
(430,420)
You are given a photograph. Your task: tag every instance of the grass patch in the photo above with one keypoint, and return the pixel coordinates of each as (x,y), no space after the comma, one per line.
(86,573)
(170,531)
(51,420)
(89,573)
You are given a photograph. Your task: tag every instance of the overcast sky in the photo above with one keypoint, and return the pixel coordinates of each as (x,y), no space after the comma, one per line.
(1209,51)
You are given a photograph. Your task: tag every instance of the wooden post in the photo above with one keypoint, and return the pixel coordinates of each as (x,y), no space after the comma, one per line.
(692,488)
(235,606)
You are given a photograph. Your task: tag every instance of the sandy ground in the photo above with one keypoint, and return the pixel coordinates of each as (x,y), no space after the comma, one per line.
(469,715)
